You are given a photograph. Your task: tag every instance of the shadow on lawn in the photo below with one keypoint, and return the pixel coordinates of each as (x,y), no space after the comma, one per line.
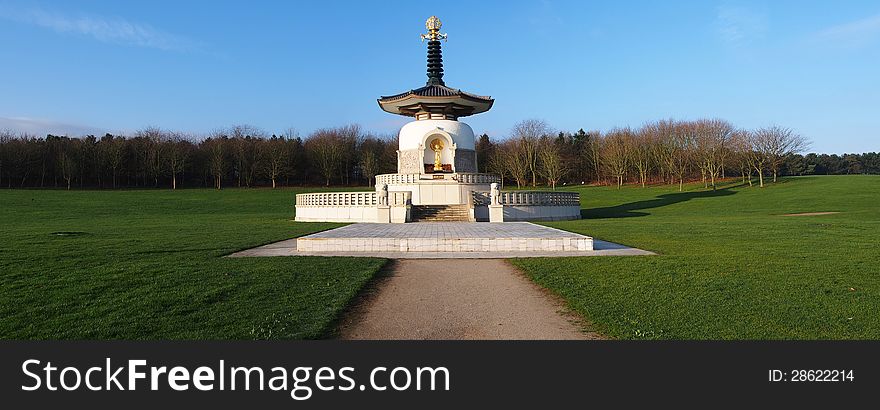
(629,210)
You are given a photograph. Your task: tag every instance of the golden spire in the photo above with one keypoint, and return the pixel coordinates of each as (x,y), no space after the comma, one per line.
(433,25)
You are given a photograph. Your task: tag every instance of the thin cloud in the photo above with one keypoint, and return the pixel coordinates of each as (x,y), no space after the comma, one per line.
(738,26)
(41,127)
(113,30)
(855,34)
(545,20)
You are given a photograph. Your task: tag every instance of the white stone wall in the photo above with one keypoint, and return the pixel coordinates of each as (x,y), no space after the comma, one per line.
(336,213)
(413,135)
(352,207)
(540,213)
(415,138)
(441,192)
(337,207)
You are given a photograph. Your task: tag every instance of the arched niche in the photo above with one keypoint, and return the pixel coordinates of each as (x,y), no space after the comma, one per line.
(447,153)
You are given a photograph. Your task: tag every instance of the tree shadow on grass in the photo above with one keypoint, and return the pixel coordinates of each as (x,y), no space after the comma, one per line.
(631,209)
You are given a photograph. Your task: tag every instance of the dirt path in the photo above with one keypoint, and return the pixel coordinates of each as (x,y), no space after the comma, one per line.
(459,299)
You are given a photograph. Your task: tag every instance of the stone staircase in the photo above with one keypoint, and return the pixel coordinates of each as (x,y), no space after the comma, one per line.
(439,213)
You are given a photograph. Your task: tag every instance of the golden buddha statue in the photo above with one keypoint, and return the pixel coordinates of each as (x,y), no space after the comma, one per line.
(437,146)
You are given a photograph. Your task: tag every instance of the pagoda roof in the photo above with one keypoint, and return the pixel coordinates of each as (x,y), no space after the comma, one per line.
(436,98)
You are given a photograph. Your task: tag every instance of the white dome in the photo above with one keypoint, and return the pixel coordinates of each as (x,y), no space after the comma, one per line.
(415,133)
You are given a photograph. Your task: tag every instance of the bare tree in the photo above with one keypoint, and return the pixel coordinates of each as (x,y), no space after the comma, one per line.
(177,150)
(617,153)
(496,163)
(293,146)
(371,149)
(66,160)
(6,137)
(114,149)
(326,147)
(369,165)
(515,160)
(152,153)
(528,134)
(593,149)
(644,151)
(350,137)
(217,155)
(276,158)
(676,149)
(246,152)
(552,166)
(758,154)
(712,140)
(19,156)
(664,148)
(740,151)
(778,143)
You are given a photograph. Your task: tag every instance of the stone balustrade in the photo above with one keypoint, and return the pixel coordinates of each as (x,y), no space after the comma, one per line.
(342,199)
(481,198)
(475,178)
(397,179)
(463,178)
(399,198)
(365,206)
(539,198)
(525,206)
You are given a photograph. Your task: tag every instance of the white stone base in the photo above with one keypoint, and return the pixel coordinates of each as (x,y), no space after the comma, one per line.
(445,237)
(496,213)
(445,245)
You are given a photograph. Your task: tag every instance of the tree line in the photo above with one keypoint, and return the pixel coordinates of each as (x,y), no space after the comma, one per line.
(238,156)
(660,152)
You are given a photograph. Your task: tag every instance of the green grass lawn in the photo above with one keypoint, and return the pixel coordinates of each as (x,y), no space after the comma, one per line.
(730,266)
(148,265)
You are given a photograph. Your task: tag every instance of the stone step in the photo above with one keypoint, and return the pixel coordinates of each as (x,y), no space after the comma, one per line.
(440,213)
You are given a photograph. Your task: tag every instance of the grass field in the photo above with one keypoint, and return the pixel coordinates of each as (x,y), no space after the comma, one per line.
(147,265)
(730,266)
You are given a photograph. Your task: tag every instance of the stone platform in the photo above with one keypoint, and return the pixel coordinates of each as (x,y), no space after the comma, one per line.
(443,240)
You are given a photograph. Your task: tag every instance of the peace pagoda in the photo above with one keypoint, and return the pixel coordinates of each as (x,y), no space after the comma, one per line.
(437,178)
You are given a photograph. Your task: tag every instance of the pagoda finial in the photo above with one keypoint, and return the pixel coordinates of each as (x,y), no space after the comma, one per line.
(435,57)
(433,25)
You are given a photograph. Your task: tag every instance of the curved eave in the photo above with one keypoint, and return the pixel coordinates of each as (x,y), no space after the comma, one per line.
(459,105)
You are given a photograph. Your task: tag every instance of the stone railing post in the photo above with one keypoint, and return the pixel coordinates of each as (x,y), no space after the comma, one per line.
(496,210)
(383,211)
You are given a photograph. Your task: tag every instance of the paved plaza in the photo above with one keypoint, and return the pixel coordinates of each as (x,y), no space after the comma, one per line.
(443,240)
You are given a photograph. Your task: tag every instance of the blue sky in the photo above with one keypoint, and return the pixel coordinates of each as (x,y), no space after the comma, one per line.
(95,66)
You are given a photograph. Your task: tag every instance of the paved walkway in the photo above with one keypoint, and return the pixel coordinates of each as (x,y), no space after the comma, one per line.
(433,292)
(458,299)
